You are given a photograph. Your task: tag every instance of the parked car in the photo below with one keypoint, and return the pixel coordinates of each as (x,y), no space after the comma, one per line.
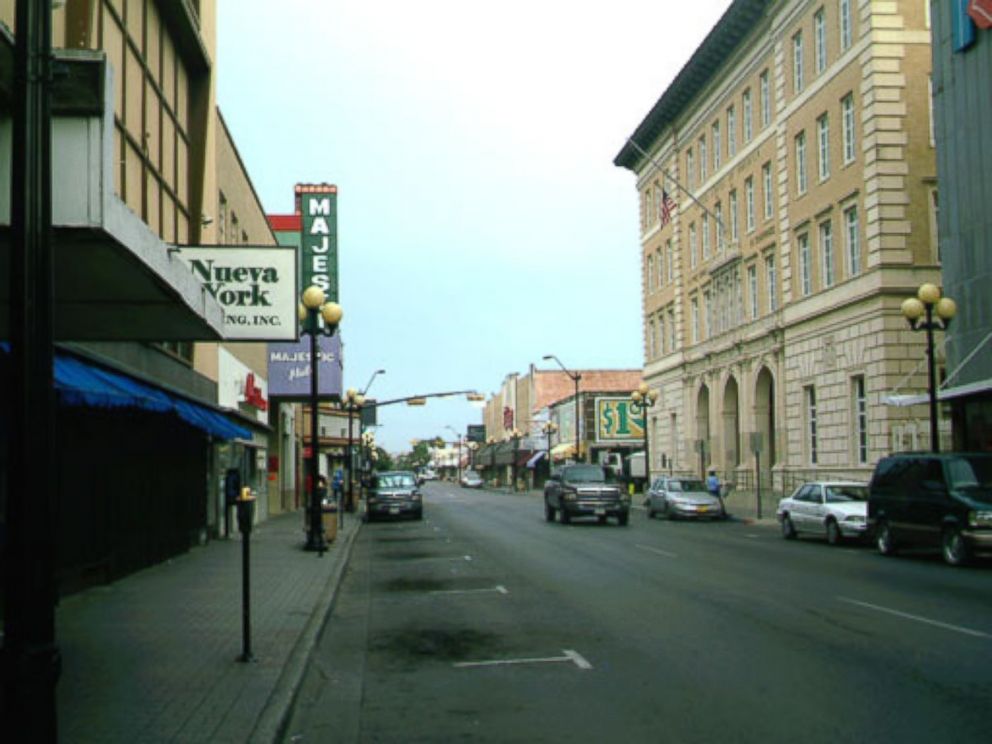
(584,491)
(471,479)
(833,509)
(683,498)
(394,493)
(932,500)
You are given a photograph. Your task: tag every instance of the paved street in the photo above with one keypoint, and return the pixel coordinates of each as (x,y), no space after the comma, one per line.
(485,623)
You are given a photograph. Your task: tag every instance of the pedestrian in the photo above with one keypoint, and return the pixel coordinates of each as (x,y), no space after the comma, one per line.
(713,486)
(337,486)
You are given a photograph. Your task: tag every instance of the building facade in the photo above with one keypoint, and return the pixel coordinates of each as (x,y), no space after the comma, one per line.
(787,183)
(962,65)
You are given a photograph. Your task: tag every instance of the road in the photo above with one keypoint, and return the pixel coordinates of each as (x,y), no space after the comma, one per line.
(485,623)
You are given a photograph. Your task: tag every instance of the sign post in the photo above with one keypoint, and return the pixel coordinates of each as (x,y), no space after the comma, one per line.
(756,446)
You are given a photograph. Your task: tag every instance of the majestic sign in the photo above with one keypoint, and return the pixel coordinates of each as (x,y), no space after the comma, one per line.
(319,259)
(619,420)
(289,368)
(255,285)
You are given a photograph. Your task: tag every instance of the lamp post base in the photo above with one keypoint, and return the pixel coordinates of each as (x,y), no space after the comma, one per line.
(315,543)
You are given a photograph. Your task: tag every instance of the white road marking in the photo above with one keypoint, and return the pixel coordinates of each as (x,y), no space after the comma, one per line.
(917,618)
(752,537)
(573,657)
(499,589)
(657,551)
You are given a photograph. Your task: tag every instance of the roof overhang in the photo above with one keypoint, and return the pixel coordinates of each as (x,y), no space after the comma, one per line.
(114,279)
(981,387)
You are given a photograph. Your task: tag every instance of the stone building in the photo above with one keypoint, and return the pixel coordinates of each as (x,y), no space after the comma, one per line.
(787,183)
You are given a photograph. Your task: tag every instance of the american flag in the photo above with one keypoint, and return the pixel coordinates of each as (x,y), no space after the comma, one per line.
(665,206)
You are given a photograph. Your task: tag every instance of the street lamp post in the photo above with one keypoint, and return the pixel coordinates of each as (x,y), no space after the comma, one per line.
(458,443)
(353,401)
(549,428)
(491,441)
(514,436)
(575,377)
(313,309)
(644,398)
(472,449)
(926,302)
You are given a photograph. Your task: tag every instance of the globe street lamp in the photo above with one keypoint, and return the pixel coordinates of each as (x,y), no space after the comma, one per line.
(312,311)
(575,377)
(549,428)
(926,302)
(353,401)
(644,398)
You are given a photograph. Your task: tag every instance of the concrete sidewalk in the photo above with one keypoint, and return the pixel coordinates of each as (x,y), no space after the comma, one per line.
(154,656)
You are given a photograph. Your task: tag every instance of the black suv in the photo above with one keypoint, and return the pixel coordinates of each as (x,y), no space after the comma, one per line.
(393,494)
(929,499)
(583,491)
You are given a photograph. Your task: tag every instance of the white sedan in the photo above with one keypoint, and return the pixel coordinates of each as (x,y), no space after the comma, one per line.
(833,509)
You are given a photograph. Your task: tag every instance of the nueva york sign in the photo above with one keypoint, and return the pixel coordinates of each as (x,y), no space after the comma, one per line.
(255,285)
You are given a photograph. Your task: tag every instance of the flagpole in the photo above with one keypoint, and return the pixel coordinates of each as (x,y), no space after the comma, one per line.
(665,174)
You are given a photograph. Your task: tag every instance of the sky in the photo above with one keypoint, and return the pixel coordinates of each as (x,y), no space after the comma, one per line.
(481,221)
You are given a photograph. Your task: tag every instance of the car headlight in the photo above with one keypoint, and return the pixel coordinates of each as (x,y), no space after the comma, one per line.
(856,518)
(416,496)
(568,494)
(980,519)
(680,503)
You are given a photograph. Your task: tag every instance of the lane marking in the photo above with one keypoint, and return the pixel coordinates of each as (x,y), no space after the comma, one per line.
(570,657)
(499,589)
(917,618)
(657,551)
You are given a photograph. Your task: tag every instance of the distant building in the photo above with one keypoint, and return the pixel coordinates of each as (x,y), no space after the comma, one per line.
(787,184)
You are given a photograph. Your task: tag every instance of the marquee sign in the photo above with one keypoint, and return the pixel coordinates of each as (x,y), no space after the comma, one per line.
(255,286)
(319,258)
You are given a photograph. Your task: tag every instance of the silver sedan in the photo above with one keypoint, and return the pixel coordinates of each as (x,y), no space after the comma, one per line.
(683,498)
(833,509)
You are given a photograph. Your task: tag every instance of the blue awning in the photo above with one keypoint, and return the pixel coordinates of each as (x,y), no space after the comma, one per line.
(79,384)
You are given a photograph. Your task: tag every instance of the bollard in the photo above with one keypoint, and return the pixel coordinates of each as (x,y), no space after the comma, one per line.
(246,519)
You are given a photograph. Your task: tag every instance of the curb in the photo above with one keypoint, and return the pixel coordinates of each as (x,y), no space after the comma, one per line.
(272,722)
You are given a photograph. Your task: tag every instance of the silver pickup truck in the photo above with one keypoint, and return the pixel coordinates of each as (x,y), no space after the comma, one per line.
(584,491)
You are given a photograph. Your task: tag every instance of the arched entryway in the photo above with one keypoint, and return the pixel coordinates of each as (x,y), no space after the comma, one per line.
(731,424)
(764,416)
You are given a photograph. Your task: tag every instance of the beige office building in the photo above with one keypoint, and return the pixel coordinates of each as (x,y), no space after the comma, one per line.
(796,148)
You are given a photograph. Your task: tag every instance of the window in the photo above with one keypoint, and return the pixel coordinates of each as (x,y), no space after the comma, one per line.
(933,141)
(797,62)
(847,112)
(766,99)
(702,160)
(749,203)
(717,145)
(766,188)
(710,329)
(733,216)
(649,274)
(934,224)
(820,40)
(846,27)
(827,253)
(811,443)
(752,289)
(651,337)
(706,236)
(660,266)
(801,178)
(671,329)
(731,132)
(823,146)
(695,320)
(670,260)
(692,245)
(746,106)
(853,238)
(718,212)
(805,270)
(772,278)
(690,165)
(662,335)
(859,402)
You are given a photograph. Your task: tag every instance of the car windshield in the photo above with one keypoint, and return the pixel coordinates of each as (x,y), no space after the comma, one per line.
(471,474)
(585,474)
(840,494)
(973,471)
(396,480)
(686,485)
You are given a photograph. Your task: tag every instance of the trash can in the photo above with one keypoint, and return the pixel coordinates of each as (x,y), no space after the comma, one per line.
(329,521)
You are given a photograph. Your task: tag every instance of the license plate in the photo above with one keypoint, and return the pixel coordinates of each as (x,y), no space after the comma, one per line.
(394,510)
(702,509)
(600,512)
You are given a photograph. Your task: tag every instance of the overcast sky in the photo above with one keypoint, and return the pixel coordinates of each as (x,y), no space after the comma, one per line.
(482,223)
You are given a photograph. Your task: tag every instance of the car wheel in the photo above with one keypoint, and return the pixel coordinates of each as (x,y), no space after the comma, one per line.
(669,514)
(788,528)
(884,541)
(650,511)
(953,547)
(623,518)
(833,532)
(566,518)
(418,515)
(601,519)
(549,513)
